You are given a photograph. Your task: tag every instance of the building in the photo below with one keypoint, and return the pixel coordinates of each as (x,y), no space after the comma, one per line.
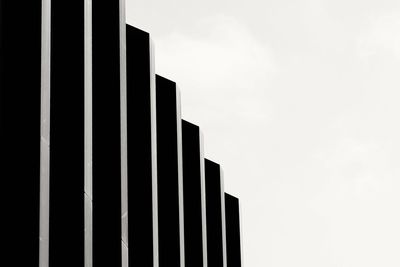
(98,168)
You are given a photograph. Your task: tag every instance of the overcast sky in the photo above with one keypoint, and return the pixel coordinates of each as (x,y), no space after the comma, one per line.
(299,102)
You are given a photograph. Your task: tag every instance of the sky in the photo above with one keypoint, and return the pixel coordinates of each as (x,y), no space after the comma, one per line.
(299,103)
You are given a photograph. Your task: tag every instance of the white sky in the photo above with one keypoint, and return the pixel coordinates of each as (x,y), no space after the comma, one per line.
(299,102)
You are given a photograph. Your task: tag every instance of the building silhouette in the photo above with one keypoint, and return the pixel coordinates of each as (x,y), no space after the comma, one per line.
(98,168)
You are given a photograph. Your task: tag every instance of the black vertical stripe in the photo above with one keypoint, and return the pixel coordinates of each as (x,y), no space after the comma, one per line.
(233,245)
(67,134)
(20,90)
(140,187)
(168,193)
(192,194)
(214,214)
(106,133)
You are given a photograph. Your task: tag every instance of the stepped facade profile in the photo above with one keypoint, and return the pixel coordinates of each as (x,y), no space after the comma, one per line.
(98,168)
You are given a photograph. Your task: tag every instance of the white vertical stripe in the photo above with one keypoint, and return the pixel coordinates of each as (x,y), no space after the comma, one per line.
(153,102)
(88,231)
(45,136)
(224,255)
(125,256)
(180,178)
(203,200)
(124,133)
(88,72)
(88,98)
(241,235)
